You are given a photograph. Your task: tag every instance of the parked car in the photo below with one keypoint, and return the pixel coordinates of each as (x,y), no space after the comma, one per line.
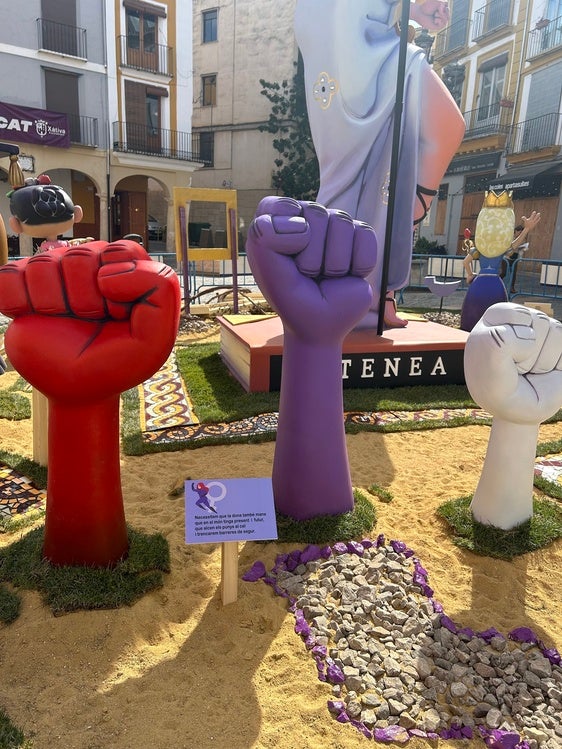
(155,228)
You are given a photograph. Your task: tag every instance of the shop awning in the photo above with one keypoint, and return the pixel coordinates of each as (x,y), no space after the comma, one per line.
(523,178)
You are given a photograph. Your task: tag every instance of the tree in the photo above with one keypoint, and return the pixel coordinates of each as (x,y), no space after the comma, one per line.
(297,174)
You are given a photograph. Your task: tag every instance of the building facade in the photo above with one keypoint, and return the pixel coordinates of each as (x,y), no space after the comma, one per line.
(502,61)
(235,44)
(113,79)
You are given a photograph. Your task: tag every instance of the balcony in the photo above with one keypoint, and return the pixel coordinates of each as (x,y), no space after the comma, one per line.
(83,130)
(58,37)
(485,121)
(452,39)
(129,137)
(537,133)
(492,17)
(152,58)
(545,38)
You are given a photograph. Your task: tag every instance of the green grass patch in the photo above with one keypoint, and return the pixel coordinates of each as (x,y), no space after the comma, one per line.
(21,520)
(218,397)
(327,529)
(552,488)
(9,608)
(544,527)
(36,473)
(67,589)
(10,736)
(382,494)
(14,406)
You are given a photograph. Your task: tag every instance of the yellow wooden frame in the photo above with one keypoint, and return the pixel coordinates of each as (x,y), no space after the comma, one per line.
(185,195)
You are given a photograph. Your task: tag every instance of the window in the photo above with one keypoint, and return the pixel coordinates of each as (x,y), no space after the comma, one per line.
(58,27)
(153,113)
(61,95)
(554,9)
(143,107)
(141,31)
(209,23)
(492,78)
(208,90)
(207,148)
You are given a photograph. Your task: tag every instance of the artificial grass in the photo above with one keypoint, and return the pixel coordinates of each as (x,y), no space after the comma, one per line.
(36,473)
(543,528)
(66,589)
(14,406)
(218,397)
(10,736)
(328,529)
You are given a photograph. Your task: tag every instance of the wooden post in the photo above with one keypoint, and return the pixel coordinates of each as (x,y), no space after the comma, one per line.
(229,572)
(184,259)
(40,421)
(234,255)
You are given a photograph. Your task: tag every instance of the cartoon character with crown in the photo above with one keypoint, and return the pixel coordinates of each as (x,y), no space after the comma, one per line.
(492,240)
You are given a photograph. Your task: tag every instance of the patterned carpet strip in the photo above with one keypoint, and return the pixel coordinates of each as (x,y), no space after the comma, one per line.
(166,415)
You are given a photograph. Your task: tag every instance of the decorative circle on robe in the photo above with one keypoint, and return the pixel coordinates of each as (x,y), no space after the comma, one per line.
(324,89)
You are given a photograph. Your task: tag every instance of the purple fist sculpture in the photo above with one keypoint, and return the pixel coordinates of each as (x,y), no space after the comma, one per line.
(311,263)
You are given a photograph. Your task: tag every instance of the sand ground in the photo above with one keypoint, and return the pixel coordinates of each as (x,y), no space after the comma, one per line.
(178,670)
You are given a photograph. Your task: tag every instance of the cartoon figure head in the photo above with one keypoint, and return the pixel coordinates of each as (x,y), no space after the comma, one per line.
(41,209)
(495,223)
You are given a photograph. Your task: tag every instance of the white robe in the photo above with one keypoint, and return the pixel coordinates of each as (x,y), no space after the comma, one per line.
(350,50)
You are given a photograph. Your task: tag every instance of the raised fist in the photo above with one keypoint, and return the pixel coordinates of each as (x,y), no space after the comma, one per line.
(513,363)
(513,369)
(310,263)
(89,323)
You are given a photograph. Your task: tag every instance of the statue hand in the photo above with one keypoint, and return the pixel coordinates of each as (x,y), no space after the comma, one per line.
(513,363)
(311,264)
(90,321)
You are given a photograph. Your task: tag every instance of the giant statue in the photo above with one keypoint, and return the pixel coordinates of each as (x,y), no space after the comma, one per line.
(350,52)
(89,322)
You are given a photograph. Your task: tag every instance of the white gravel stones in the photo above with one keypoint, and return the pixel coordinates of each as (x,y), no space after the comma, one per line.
(399,667)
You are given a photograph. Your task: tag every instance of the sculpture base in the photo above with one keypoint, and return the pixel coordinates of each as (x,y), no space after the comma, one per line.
(423,353)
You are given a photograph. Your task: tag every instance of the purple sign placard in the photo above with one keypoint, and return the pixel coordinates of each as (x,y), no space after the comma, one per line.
(218,510)
(38,126)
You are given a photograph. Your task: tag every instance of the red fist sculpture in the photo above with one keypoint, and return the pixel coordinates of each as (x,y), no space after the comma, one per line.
(89,322)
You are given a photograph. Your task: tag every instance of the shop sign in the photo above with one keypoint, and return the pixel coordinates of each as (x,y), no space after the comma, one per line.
(36,126)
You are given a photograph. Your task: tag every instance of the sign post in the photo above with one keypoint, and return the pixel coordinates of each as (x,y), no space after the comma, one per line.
(227,511)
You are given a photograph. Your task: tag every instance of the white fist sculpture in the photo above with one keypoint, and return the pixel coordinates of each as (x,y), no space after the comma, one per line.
(513,369)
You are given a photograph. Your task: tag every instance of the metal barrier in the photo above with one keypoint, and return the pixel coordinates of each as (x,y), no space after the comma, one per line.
(531,277)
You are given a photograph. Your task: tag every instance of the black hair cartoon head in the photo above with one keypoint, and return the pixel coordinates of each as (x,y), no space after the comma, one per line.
(38,201)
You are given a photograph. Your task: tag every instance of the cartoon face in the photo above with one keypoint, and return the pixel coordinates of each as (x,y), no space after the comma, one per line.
(495,223)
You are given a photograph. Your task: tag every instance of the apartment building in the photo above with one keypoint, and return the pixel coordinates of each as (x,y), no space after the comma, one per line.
(235,44)
(98,94)
(502,60)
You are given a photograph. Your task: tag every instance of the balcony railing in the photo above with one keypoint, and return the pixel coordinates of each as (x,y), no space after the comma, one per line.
(536,133)
(154,58)
(83,130)
(58,37)
(545,38)
(150,141)
(492,119)
(493,16)
(453,38)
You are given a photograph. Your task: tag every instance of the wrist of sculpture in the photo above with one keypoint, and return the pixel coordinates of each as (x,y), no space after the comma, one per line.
(85,521)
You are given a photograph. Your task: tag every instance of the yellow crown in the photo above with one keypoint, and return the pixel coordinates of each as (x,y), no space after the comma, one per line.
(498,200)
